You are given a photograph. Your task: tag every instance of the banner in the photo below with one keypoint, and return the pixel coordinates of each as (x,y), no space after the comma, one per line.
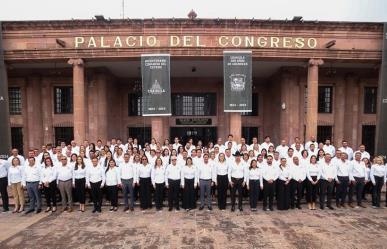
(237,81)
(381,134)
(5,130)
(156,88)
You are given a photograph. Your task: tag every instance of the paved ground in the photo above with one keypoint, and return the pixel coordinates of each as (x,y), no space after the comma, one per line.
(350,228)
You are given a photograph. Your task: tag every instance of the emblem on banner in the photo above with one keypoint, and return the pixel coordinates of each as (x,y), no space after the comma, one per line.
(238,82)
(156,88)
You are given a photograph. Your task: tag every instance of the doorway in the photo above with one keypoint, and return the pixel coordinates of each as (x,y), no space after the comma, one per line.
(205,134)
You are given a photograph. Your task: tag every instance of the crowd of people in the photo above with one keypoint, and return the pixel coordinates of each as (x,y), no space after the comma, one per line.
(256,172)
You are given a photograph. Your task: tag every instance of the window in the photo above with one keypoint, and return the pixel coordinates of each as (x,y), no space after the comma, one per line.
(324,132)
(325,99)
(194,104)
(63,99)
(17,138)
(368,138)
(143,134)
(134,104)
(64,134)
(249,132)
(370,96)
(14,95)
(255,106)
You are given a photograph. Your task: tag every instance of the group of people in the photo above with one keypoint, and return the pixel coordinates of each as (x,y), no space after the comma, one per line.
(189,172)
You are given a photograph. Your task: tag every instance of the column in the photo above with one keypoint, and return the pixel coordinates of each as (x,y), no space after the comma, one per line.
(311,108)
(79,100)
(34,113)
(339,111)
(47,103)
(157,128)
(102,108)
(236,125)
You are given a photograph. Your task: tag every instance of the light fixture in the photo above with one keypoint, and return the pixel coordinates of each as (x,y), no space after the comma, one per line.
(100,18)
(193,69)
(283,106)
(330,44)
(297,18)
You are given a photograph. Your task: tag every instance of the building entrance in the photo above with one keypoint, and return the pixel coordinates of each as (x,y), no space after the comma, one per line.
(205,134)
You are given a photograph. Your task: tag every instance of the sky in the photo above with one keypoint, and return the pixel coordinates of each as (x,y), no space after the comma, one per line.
(323,10)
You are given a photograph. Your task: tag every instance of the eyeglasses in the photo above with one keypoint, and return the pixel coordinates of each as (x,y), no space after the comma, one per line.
(144,159)
(173,159)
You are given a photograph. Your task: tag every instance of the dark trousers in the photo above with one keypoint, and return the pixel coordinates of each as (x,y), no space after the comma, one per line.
(295,187)
(145,193)
(50,194)
(222,185)
(80,190)
(254,189)
(113,195)
(268,193)
(326,190)
(283,195)
(159,195)
(173,193)
(96,194)
(237,185)
(376,193)
(34,195)
(342,189)
(189,198)
(4,192)
(357,188)
(127,188)
(311,193)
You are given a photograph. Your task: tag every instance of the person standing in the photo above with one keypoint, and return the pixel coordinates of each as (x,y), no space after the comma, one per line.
(314,175)
(127,173)
(32,181)
(283,186)
(172,182)
(342,179)
(15,174)
(64,181)
(189,183)
(237,179)
(254,183)
(358,177)
(378,178)
(270,175)
(4,167)
(144,182)
(328,175)
(95,180)
(158,181)
(221,168)
(79,182)
(298,176)
(113,182)
(206,175)
(49,184)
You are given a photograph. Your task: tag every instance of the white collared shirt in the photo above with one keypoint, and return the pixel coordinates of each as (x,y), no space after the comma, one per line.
(127,170)
(15,174)
(298,172)
(172,172)
(313,170)
(328,171)
(112,176)
(79,173)
(270,172)
(221,168)
(49,174)
(255,174)
(158,175)
(188,172)
(342,168)
(31,174)
(64,173)
(95,174)
(378,170)
(237,170)
(4,166)
(206,171)
(357,169)
(143,171)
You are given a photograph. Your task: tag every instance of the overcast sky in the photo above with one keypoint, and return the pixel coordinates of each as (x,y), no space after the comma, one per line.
(336,10)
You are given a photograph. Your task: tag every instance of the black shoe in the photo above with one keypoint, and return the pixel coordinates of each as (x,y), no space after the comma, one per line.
(38,211)
(271,209)
(177,209)
(169,209)
(264,208)
(322,207)
(241,209)
(29,211)
(232,209)
(131,209)
(331,208)
(299,207)
(99,211)
(201,208)
(94,210)
(5,210)
(210,208)
(126,209)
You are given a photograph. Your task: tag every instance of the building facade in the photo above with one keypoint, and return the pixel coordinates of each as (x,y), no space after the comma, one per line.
(81,79)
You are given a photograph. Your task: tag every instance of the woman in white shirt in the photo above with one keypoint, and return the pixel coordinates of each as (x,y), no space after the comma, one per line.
(79,182)
(221,183)
(158,182)
(112,181)
(144,182)
(49,176)
(189,183)
(254,184)
(378,178)
(283,186)
(15,182)
(313,173)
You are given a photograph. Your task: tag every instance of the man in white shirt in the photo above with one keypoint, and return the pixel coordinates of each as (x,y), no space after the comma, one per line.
(237,178)
(270,174)
(74,148)
(310,142)
(172,182)
(282,149)
(266,144)
(298,176)
(64,179)
(358,176)
(4,167)
(95,180)
(297,140)
(127,174)
(312,150)
(328,176)
(254,143)
(364,153)
(234,147)
(176,144)
(328,148)
(15,153)
(219,144)
(32,181)
(345,148)
(206,176)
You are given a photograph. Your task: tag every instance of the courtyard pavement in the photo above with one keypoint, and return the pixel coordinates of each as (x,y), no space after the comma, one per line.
(339,228)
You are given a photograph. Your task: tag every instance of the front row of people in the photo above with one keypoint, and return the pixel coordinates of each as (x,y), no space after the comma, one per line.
(285,181)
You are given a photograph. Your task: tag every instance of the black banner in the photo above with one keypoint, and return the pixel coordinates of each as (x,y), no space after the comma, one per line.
(5,130)
(193,121)
(237,81)
(156,89)
(381,139)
